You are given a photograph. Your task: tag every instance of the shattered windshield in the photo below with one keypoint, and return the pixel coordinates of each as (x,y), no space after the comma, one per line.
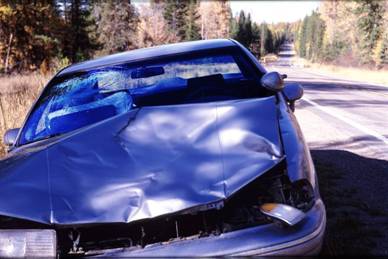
(81,99)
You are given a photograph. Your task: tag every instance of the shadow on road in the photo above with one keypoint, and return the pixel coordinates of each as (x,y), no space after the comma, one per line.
(350,103)
(354,191)
(335,86)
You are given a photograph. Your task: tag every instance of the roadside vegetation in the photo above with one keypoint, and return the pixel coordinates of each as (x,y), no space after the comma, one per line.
(345,33)
(360,74)
(39,35)
(15,101)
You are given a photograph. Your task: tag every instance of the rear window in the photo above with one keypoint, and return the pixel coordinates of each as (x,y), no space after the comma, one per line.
(81,99)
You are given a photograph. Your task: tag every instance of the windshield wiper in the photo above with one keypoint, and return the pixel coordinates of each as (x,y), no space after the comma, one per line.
(108,91)
(46,137)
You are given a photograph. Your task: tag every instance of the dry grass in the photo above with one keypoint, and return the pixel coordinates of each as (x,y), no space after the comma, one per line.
(267,59)
(376,76)
(17,94)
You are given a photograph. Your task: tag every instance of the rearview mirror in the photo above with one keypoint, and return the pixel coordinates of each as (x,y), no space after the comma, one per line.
(10,136)
(273,81)
(145,72)
(292,93)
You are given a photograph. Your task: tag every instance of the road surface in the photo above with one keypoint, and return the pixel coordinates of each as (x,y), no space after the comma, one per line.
(346,126)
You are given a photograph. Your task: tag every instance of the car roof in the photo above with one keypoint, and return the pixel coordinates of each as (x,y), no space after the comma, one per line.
(147,53)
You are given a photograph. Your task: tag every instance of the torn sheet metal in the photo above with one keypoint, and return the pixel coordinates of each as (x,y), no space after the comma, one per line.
(144,163)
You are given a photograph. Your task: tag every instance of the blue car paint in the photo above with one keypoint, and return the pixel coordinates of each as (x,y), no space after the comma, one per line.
(83,176)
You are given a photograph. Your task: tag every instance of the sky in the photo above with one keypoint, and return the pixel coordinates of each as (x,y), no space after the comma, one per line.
(275,11)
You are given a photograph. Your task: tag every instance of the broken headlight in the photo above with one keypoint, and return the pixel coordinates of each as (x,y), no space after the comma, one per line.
(276,187)
(27,243)
(302,195)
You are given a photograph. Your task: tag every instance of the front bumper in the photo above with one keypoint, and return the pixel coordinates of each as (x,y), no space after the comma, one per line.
(303,239)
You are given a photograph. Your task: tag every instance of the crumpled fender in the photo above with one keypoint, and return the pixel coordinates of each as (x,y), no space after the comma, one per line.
(298,157)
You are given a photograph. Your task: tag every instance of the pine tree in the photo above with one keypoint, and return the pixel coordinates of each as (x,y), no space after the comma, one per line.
(384,51)
(78,42)
(255,44)
(369,25)
(183,18)
(303,38)
(192,30)
(381,51)
(116,25)
(243,32)
(174,11)
(268,41)
(317,40)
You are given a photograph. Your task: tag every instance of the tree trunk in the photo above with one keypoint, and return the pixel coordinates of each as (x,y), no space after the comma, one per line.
(8,53)
(3,122)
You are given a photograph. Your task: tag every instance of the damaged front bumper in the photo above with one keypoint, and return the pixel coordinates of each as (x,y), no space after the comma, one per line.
(303,239)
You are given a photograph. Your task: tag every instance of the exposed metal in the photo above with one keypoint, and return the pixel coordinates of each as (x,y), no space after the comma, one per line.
(283,212)
(304,239)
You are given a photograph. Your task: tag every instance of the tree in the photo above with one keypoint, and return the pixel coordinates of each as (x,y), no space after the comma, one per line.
(78,43)
(216,19)
(192,30)
(266,40)
(280,33)
(174,14)
(302,38)
(317,37)
(152,27)
(314,36)
(255,44)
(381,52)
(27,39)
(243,29)
(369,25)
(183,18)
(116,20)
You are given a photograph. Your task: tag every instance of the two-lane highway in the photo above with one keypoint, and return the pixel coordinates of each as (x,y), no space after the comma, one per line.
(346,126)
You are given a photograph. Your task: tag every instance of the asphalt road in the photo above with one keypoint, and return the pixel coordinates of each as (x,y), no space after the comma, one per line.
(346,126)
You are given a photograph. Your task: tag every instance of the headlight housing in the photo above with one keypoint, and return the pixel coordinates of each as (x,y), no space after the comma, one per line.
(28,243)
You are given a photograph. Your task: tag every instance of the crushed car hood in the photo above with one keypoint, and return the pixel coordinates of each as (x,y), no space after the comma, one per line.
(142,164)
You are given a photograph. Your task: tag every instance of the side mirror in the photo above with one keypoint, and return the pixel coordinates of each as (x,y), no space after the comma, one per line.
(10,136)
(273,81)
(292,93)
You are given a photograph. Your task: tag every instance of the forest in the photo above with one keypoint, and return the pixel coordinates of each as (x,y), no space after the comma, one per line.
(47,35)
(37,38)
(347,33)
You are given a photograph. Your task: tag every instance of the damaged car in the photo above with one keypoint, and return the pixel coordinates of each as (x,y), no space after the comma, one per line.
(187,149)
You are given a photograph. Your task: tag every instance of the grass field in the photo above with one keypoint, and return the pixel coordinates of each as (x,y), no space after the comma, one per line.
(17,94)
(375,76)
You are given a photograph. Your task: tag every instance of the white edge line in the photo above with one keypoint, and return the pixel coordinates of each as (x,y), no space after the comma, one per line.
(335,113)
(363,83)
